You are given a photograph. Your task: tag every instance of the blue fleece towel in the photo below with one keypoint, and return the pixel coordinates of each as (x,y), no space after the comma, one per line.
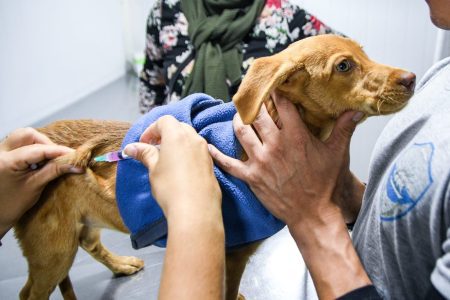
(245,219)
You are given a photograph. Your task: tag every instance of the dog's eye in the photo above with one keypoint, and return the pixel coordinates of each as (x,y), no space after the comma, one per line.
(344,66)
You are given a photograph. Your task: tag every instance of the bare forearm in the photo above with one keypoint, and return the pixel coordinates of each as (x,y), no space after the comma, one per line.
(330,257)
(349,197)
(195,259)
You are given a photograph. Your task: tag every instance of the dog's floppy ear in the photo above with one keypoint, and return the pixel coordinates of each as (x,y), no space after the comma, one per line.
(264,75)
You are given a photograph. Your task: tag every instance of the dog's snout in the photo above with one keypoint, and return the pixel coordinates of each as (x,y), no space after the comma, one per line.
(408,80)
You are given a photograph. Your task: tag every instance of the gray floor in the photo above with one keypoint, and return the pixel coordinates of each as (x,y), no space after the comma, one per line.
(276,271)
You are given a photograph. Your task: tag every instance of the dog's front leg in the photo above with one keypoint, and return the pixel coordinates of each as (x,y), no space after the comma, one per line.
(119,265)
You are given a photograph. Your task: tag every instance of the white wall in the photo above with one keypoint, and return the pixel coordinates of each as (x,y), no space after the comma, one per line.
(53,52)
(135,16)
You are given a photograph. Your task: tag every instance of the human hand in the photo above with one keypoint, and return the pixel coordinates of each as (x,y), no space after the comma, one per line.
(303,182)
(181,171)
(20,185)
(183,183)
(295,175)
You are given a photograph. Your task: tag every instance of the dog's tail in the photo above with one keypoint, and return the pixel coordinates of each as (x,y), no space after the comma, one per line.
(83,156)
(90,138)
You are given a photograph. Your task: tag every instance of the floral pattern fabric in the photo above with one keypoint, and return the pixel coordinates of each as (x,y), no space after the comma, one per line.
(168,46)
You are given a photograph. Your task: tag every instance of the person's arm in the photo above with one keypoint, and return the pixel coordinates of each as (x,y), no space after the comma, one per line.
(25,170)
(329,255)
(348,196)
(183,183)
(297,178)
(195,259)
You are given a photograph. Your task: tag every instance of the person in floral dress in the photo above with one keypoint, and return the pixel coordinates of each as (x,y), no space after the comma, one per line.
(170,54)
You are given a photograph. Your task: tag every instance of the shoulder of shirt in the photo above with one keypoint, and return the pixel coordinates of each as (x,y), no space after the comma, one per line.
(432,72)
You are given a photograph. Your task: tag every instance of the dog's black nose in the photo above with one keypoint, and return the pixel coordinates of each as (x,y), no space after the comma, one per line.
(408,80)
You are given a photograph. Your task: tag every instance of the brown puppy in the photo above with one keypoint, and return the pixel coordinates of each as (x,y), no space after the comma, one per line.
(324,75)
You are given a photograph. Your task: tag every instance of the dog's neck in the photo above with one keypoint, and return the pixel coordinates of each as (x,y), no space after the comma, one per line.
(320,127)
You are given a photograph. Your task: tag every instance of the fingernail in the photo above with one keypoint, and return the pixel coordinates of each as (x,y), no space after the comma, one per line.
(76,170)
(130,150)
(358,116)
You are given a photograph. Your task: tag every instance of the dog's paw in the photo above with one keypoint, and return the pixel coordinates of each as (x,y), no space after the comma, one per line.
(126,265)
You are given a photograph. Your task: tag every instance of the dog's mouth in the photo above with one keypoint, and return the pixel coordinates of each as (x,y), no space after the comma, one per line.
(390,102)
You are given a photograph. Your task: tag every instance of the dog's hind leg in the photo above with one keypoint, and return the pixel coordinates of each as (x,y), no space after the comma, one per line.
(66,288)
(42,281)
(119,265)
(48,270)
(48,236)
(236,260)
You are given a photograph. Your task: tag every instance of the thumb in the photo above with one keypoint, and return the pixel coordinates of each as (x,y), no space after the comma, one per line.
(52,170)
(343,129)
(145,153)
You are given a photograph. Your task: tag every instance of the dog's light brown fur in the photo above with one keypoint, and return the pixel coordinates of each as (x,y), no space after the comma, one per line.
(306,74)
(72,209)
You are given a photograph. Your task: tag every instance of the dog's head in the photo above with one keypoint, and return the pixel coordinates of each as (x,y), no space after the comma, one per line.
(326,75)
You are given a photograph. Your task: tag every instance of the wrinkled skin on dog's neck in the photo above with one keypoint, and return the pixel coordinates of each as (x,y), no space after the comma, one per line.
(319,126)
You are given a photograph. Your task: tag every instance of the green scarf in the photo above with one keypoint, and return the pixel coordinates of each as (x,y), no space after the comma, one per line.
(216,27)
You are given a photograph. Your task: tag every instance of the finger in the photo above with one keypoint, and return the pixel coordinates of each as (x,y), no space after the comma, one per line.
(289,115)
(25,136)
(230,165)
(174,132)
(264,125)
(25,156)
(145,153)
(246,136)
(51,171)
(188,128)
(343,129)
(152,135)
